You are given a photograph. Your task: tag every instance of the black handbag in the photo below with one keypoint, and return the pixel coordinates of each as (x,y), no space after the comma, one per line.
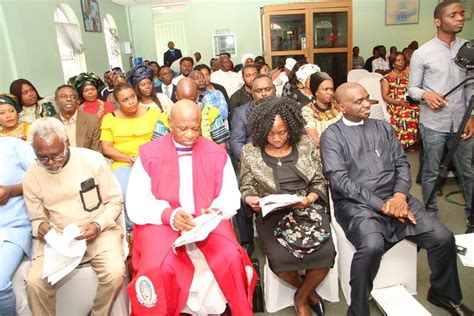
(301,231)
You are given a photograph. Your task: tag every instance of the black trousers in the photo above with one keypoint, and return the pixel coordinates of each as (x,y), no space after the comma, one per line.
(243,218)
(440,245)
(245,223)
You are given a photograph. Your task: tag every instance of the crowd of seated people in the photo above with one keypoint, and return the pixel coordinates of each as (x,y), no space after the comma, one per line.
(162,164)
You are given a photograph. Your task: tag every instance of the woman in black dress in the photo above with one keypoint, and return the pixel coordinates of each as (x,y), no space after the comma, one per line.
(282,160)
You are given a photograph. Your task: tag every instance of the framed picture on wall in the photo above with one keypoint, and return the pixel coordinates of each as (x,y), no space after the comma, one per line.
(224,43)
(402,12)
(468,4)
(91,16)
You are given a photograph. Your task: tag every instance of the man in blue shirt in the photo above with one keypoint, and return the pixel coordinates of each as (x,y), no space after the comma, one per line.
(432,74)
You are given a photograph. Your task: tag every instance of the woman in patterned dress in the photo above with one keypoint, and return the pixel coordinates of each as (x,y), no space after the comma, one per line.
(322,110)
(33,106)
(9,118)
(403,114)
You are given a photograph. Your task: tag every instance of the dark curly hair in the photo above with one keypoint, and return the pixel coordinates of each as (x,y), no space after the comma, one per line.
(262,116)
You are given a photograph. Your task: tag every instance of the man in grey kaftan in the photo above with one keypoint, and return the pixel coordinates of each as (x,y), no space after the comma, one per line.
(369,178)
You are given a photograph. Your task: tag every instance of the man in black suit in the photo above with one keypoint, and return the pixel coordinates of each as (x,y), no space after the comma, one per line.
(171,54)
(167,87)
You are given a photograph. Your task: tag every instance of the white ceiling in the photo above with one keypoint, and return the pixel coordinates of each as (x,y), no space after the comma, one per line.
(154,3)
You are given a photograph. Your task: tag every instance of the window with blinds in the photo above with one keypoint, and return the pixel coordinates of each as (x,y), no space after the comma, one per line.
(170,31)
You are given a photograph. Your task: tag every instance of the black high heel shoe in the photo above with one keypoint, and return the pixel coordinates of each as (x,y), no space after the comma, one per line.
(318,307)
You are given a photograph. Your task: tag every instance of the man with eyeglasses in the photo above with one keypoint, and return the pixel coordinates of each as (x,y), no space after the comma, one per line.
(73,185)
(82,129)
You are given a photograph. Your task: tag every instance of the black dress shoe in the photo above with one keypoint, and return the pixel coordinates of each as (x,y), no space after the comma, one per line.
(249,247)
(350,312)
(447,304)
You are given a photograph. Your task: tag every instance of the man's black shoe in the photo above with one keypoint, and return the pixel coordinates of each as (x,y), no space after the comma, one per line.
(447,304)
(249,247)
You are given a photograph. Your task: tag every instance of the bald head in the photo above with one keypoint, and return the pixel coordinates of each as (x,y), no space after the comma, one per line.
(185,109)
(353,101)
(187,90)
(185,122)
(344,88)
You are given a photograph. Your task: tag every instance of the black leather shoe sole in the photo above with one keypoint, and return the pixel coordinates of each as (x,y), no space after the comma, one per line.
(448,305)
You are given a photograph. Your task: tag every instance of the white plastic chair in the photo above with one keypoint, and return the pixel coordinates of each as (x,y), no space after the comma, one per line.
(373,87)
(403,254)
(374,75)
(356,74)
(75,293)
(279,294)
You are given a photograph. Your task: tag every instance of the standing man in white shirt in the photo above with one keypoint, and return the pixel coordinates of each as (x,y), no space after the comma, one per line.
(432,74)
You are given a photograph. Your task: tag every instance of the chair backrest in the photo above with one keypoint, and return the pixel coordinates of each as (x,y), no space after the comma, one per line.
(373,87)
(374,75)
(356,74)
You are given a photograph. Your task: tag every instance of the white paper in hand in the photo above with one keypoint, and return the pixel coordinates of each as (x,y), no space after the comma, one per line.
(205,224)
(466,241)
(274,201)
(62,253)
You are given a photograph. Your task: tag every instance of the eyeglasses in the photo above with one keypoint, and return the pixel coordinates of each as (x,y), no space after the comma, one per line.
(55,158)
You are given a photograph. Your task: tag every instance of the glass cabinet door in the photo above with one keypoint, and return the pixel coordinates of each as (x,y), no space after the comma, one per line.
(330,29)
(335,64)
(287,32)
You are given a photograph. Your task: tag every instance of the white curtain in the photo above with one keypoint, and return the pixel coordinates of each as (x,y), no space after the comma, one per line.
(69,34)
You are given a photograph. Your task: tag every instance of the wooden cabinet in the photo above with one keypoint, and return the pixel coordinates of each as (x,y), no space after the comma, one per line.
(320,31)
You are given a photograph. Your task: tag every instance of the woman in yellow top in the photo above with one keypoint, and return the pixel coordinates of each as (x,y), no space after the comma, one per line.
(9,119)
(322,110)
(124,131)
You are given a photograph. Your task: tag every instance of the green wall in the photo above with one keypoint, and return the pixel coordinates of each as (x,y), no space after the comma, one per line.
(32,39)
(143,34)
(28,47)
(369,27)
(243,18)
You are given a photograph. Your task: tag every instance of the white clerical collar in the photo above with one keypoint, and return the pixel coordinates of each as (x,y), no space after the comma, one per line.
(177,145)
(350,123)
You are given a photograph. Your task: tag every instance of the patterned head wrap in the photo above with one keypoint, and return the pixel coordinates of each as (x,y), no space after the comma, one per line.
(6,98)
(118,74)
(138,73)
(86,79)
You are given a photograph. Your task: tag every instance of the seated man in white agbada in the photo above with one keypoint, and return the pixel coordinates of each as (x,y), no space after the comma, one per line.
(176,178)
(73,185)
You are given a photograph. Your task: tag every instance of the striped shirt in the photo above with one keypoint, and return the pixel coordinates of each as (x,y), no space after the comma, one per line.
(212,126)
(215,98)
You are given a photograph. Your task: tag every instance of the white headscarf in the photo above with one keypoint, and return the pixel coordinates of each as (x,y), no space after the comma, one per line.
(245,57)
